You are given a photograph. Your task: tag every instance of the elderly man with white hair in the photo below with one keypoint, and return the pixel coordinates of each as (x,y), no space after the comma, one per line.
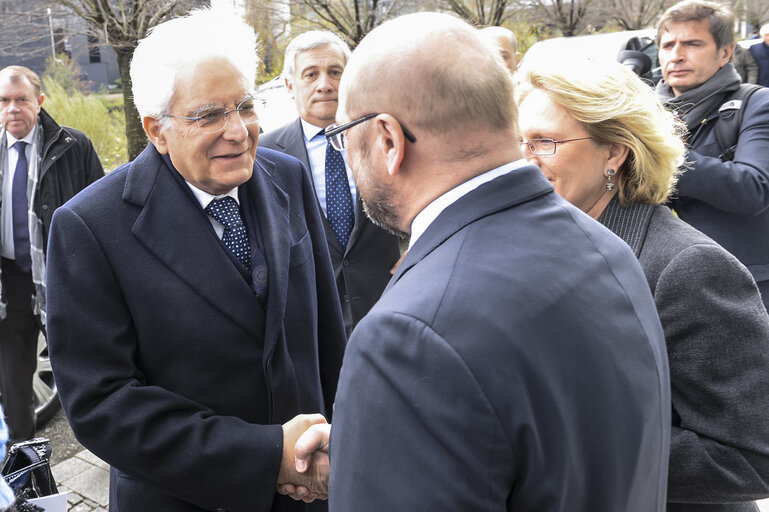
(515,362)
(193,317)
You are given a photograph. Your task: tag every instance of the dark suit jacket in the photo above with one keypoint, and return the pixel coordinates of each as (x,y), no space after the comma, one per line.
(168,367)
(729,201)
(515,362)
(717,334)
(362,269)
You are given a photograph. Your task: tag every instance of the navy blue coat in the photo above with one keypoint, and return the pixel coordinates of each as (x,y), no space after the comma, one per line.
(514,363)
(168,366)
(729,201)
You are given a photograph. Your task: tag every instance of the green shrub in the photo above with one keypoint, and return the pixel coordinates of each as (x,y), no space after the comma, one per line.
(89,114)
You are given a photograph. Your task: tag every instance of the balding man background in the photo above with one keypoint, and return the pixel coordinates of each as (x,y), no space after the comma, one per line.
(505,42)
(515,361)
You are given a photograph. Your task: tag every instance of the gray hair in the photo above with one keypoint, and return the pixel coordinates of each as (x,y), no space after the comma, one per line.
(172,46)
(764,30)
(309,41)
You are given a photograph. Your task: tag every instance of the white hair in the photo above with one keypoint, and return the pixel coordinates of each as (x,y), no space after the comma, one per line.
(309,41)
(172,46)
(764,30)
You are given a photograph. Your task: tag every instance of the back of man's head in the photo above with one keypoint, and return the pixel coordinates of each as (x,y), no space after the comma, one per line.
(720,19)
(184,42)
(309,41)
(433,72)
(15,74)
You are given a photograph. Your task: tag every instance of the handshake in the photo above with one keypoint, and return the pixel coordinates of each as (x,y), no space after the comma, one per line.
(304,468)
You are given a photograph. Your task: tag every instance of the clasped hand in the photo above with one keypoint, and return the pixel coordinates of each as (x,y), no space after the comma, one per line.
(304,469)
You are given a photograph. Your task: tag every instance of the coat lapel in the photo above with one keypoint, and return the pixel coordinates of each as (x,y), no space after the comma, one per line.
(271,204)
(176,230)
(504,192)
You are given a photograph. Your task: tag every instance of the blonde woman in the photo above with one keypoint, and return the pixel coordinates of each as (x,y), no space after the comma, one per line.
(609,147)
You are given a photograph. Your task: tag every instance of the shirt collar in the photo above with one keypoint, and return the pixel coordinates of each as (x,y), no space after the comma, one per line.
(310,130)
(204,198)
(426,217)
(29,138)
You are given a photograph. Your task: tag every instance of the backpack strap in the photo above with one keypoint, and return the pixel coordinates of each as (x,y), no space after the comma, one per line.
(730,116)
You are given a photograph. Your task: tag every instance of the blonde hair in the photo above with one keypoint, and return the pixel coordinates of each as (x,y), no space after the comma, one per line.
(616,106)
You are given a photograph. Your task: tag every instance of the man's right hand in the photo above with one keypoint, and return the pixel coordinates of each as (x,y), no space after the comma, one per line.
(304,468)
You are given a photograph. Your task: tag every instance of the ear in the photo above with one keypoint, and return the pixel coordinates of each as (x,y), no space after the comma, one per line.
(390,141)
(725,53)
(40,100)
(155,132)
(289,86)
(617,155)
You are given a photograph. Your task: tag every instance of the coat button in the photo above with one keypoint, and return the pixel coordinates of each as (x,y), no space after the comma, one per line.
(45,207)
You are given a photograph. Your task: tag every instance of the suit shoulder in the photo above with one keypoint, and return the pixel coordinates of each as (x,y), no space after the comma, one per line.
(669,235)
(278,158)
(270,138)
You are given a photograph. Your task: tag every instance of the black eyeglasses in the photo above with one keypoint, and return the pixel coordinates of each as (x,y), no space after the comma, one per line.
(546,146)
(335,133)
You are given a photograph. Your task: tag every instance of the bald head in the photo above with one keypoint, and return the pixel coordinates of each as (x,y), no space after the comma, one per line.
(503,40)
(440,77)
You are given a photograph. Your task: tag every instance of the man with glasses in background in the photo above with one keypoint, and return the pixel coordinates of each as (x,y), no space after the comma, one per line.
(362,254)
(193,315)
(515,361)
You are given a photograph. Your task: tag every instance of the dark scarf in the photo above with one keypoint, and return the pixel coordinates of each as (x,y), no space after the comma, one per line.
(695,105)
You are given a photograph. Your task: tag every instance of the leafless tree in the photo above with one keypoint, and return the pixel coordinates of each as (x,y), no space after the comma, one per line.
(635,14)
(569,17)
(754,12)
(481,12)
(351,19)
(121,24)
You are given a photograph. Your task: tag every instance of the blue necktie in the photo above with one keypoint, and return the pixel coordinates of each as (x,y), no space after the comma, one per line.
(339,210)
(235,238)
(20,210)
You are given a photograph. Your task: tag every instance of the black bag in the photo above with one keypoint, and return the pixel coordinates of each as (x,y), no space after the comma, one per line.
(27,470)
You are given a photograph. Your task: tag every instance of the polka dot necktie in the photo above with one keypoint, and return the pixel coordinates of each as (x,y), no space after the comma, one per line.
(339,210)
(226,211)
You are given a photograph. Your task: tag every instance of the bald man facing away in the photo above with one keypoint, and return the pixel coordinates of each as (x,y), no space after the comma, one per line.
(515,361)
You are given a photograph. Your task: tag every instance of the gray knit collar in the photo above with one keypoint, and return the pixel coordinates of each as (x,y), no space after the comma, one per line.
(630,223)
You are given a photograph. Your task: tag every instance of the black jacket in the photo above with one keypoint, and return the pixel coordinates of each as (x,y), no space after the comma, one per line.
(69,164)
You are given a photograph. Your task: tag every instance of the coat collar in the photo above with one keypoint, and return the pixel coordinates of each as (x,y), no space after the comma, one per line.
(504,192)
(630,223)
(176,230)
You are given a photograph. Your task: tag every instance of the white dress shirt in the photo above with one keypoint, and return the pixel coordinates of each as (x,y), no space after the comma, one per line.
(7,247)
(426,217)
(204,198)
(316,151)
